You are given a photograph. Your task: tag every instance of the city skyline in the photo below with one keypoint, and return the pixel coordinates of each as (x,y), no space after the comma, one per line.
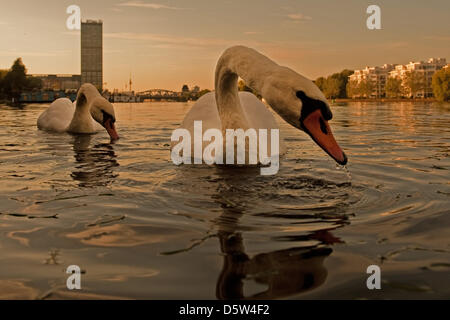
(169,43)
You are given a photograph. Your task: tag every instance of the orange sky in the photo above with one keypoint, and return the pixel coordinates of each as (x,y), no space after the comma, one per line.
(165,44)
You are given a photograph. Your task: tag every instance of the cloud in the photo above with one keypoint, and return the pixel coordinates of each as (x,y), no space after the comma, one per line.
(167,39)
(298,17)
(16,53)
(141,4)
(438,38)
(252,32)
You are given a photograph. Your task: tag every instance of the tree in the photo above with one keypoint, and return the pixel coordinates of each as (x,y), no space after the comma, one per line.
(185,93)
(185,88)
(3,74)
(243,87)
(334,86)
(394,88)
(353,89)
(320,82)
(342,80)
(441,84)
(414,82)
(15,80)
(365,88)
(203,92)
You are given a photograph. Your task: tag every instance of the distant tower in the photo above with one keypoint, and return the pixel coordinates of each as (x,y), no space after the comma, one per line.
(92,53)
(130,83)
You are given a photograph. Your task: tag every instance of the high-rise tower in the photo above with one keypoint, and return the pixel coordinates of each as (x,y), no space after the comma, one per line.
(92,53)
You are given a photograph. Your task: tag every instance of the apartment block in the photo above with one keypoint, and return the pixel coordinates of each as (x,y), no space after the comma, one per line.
(376,75)
(425,71)
(379,75)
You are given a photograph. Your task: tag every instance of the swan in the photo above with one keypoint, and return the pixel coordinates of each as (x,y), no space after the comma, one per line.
(294,97)
(88,114)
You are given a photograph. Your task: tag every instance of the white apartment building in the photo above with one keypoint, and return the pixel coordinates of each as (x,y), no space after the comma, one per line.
(376,75)
(379,75)
(425,69)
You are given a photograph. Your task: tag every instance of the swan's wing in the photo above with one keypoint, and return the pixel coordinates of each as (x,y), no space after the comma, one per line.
(260,116)
(204,109)
(57,117)
(97,126)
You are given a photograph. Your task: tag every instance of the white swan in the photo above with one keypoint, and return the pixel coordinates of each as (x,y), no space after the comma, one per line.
(82,116)
(295,98)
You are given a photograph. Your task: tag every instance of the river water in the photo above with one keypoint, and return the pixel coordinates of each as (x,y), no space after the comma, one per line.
(140,227)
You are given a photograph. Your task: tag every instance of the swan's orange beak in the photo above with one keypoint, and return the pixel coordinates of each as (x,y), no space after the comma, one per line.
(111,129)
(319,130)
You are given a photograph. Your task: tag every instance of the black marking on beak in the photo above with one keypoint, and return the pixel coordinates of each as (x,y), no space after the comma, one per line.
(323,127)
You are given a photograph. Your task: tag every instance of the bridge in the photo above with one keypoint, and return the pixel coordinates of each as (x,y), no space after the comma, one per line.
(160,94)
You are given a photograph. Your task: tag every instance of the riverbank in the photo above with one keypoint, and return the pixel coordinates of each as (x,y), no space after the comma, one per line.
(385,100)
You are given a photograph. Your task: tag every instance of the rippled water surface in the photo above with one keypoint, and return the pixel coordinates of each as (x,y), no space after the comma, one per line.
(141,227)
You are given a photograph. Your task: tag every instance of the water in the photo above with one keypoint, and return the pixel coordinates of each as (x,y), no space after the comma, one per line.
(141,227)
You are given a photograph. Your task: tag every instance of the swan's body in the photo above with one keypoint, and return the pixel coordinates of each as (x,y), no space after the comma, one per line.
(295,98)
(87,115)
(205,109)
(58,116)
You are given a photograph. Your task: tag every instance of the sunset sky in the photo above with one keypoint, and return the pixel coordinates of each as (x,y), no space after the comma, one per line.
(165,44)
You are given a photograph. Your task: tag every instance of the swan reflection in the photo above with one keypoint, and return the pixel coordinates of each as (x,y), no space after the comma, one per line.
(282,272)
(94,165)
(266,275)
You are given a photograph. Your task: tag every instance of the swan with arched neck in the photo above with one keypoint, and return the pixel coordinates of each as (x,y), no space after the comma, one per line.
(296,99)
(90,113)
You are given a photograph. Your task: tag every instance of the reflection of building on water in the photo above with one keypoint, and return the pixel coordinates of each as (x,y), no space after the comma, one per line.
(94,164)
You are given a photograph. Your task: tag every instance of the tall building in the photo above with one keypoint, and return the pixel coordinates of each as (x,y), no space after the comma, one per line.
(92,53)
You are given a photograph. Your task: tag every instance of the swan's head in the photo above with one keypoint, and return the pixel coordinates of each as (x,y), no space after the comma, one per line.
(301,103)
(103,112)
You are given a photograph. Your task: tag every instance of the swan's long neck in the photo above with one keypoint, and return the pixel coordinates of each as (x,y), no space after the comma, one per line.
(82,119)
(253,68)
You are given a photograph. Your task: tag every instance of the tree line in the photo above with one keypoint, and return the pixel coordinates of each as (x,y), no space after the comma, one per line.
(15,81)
